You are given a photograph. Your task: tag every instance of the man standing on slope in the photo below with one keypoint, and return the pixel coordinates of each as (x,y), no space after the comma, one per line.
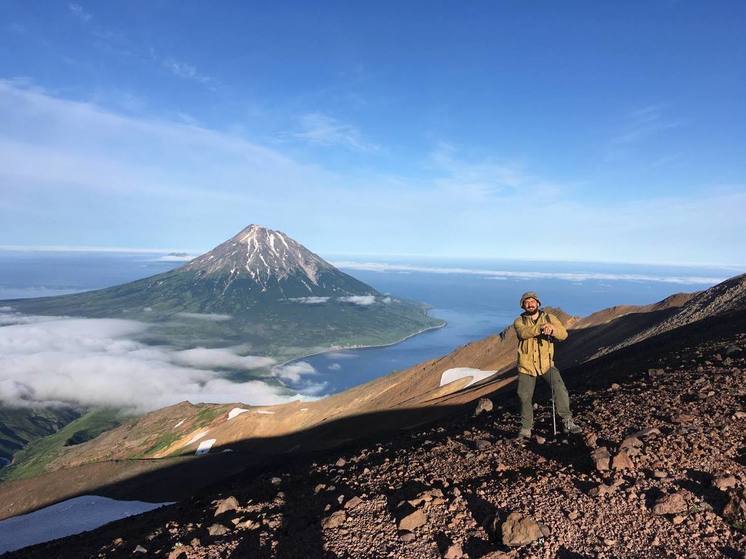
(537,331)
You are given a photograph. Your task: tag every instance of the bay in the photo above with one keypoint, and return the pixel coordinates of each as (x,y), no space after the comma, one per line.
(476,298)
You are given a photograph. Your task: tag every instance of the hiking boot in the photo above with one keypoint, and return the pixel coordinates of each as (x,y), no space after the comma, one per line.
(523,435)
(571,427)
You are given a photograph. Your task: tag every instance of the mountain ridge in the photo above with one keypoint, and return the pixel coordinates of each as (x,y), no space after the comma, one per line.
(667,416)
(309,426)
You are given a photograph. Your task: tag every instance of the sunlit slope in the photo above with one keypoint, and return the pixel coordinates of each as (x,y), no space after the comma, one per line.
(184,445)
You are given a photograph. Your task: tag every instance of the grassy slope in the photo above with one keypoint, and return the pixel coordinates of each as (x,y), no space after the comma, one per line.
(19,426)
(31,460)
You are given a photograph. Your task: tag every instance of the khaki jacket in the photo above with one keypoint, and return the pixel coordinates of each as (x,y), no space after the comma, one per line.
(536,352)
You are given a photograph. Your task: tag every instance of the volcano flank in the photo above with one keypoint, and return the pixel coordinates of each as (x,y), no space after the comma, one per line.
(259,288)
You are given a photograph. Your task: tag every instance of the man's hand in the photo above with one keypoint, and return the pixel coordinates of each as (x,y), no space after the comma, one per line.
(547,329)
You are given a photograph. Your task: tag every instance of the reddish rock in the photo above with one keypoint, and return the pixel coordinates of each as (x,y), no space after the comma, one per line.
(217,530)
(601,458)
(735,508)
(622,461)
(454,552)
(226,505)
(413,521)
(335,520)
(670,504)
(519,529)
(353,503)
(724,481)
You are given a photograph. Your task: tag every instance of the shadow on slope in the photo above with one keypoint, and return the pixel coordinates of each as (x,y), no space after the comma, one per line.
(301,507)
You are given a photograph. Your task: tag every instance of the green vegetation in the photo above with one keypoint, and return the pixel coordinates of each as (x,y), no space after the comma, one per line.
(270,323)
(33,459)
(20,426)
(207,414)
(164,441)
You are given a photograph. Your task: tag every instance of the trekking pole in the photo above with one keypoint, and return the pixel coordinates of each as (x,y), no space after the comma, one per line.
(551,385)
(554,414)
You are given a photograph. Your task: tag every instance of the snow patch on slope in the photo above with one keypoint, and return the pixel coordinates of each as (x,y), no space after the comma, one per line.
(476,375)
(235,412)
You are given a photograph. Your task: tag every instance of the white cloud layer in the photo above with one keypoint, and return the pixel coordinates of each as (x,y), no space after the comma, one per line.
(214,317)
(506,274)
(309,300)
(294,372)
(94,362)
(362,300)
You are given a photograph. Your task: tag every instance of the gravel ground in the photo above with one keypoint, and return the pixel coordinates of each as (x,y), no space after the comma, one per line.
(659,472)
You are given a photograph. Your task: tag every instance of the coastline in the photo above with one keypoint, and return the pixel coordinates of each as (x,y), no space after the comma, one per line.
(372,346)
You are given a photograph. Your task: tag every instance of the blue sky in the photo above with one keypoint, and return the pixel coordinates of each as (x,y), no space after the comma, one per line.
(557,131)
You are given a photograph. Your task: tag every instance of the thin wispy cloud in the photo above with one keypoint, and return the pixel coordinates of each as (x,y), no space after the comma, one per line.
(640,127)
(188,72)
(324,130)
(73,154)
(102,249)
(79,12)
(15,27)
(309,300)
(483,177)
(645,122)
(529,275)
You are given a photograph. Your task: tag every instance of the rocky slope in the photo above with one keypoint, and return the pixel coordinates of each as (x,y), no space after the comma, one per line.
(659,472)
(728,296)
(113,463)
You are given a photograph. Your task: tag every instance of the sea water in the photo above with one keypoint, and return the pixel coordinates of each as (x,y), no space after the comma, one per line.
(476,298)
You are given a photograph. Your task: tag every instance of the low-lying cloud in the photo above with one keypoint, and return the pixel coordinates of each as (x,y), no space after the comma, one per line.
(215,317)
(213,358)
(99,362)
(511,274)
(309,300)
(362,300)
(293,372)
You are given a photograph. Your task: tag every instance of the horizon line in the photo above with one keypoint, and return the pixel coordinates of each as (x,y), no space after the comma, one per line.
(195,253)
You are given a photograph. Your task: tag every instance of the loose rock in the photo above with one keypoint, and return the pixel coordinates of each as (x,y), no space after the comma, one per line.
(622,462)
(519,529)
(217,530)
(226,505)
(484,405)
(413,521)
(335,519)
(670,504)
(601,458)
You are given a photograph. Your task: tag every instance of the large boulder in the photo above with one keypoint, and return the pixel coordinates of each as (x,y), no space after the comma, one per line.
(226,505)
(670,504)
(622,461)
(601,458)
(413,521)
(519,529)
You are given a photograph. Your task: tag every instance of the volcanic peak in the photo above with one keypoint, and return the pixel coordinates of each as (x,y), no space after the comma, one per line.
(263,255)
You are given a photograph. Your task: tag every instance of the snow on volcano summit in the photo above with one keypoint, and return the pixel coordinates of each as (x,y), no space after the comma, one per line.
(270,259)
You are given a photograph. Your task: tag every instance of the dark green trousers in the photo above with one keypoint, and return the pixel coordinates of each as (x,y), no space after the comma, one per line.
(526,386)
